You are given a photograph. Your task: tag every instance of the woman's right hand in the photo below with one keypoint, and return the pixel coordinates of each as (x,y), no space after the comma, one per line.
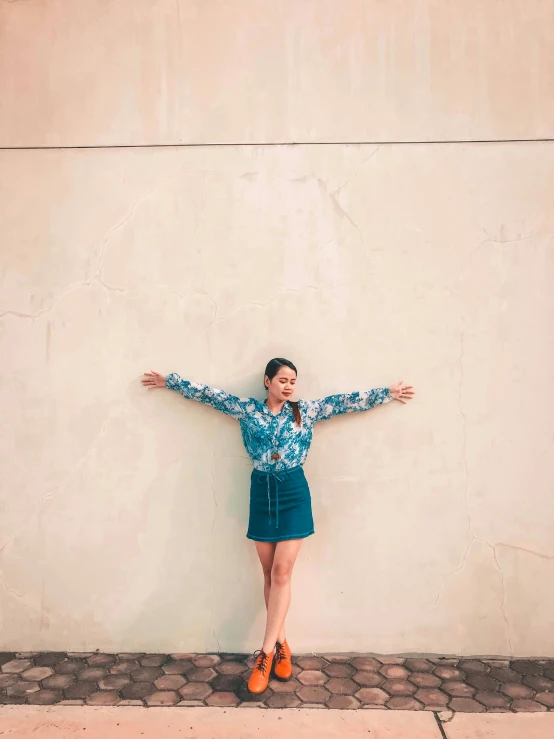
(152,380)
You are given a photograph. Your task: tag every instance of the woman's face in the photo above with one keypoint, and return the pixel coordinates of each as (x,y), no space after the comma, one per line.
(281,387)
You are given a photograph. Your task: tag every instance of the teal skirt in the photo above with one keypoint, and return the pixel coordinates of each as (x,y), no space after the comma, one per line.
(280,506)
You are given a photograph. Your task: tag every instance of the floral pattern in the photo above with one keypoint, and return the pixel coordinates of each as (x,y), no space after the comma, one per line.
(265,433)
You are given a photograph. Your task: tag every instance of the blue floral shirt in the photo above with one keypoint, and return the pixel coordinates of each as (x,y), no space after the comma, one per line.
(265,433)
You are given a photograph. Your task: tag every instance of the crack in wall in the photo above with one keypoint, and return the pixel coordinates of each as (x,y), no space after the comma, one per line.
(339,208)
(276,294)
(216,507)
(356,173)
(59,488)
(97,276)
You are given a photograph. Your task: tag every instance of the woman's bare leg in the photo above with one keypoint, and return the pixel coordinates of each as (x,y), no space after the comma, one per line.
(280,591)
(266,553)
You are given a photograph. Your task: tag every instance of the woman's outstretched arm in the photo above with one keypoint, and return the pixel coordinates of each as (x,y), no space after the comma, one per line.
(335,405)
(218,399)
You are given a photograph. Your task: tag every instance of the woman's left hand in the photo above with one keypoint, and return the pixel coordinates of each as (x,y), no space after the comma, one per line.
(401,392)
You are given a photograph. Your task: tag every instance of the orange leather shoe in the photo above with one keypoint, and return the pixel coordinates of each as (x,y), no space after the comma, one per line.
(260,674)
(283,661)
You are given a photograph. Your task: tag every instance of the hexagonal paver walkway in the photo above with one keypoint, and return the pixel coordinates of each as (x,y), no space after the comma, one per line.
(328,681)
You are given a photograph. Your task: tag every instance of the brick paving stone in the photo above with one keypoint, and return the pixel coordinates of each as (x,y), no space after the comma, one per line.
(80,690)
(21,689)
(45,697)
(153,660)
(492,699)
(222,698)
(133,691)
(231,668)
(311,663)
(16,666)
(398,687)
(449,673)
(6,657)
(101,660)
(538,683)
(49,659)
(105,698)
(201,674)
(146,674)
(547,699)
(313,694)
(498,662)
(282,700)
(170,682)
(337,657)
(195,691)
(206,660)
(339,669)
(472,665)
(312,677)
(343,702)
(290,686)
(457,689)
(394,671)
(369,679)
(191,704)
(72,703)
(466,705)
(7,680)
(125,667)
(482,682)
(425,680)
(179,667)
(415,664)
(519,692)
(92,674)
(505,675)
(37,673)
(313,705)
(227,683)
(366,664)
(58,682)
(372,696)
(432,697)
(70,666)
(327,681)
(341,686)
(404,703)
(125,702)
(114,682)
(163,698)
(526,667)
(15,700)
(527,706)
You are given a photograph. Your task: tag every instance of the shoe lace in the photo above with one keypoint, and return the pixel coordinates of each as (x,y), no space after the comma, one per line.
(281,651)
(263,662)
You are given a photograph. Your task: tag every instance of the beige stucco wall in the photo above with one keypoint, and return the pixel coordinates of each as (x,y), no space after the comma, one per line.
(122,511)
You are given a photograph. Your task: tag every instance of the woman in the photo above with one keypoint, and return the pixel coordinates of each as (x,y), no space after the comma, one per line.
(277,434)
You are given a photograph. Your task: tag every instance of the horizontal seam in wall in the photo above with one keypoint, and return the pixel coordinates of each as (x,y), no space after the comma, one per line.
(274,143)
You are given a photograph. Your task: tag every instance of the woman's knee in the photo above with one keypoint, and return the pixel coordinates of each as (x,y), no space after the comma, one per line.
(280,573)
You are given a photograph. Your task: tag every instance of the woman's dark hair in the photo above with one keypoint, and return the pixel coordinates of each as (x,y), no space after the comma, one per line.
(273,366)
